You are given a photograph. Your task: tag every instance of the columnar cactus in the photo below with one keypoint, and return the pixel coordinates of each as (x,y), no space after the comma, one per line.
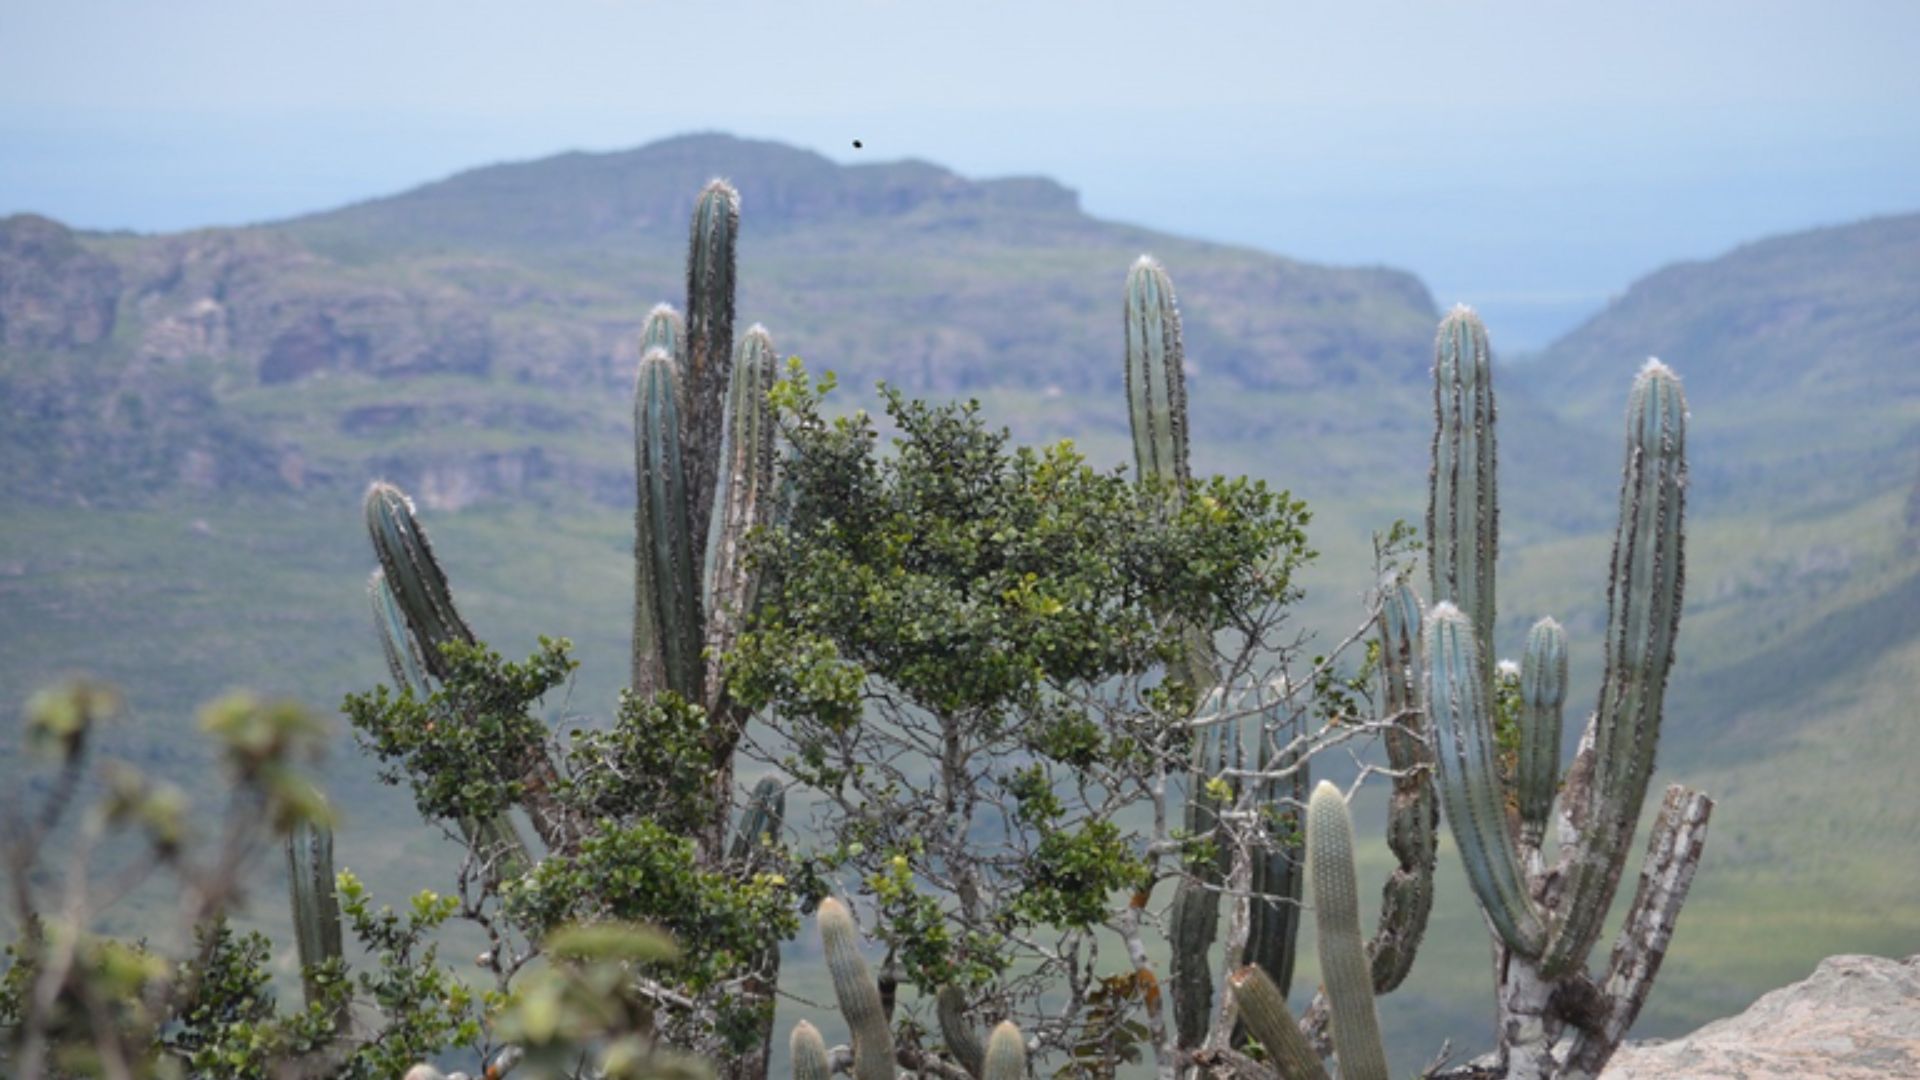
(1343,956)
(1412,819)
(1263,1006)
(667,622)
(963,1042)
(316,908)
(857,993)
(809,1053)
(1543,696)
(1006,1054)
(1548,917)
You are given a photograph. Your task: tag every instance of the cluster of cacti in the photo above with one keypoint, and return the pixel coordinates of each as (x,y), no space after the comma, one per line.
(703,453)
(873,1055)
(1547,917)
(1157,407)
(1344,966)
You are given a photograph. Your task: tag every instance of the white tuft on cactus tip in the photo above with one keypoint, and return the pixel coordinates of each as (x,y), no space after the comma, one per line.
(1461,311)
(661,309)
(1507,669)
(1654,367)
(1146,262)
(1445,609)
(760,329)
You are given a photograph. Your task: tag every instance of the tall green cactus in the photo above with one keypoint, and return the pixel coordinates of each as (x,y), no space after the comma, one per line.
(963,1042)
(1463,507)
(746,499)
(1412,819)
(1156,376)
(414,575)
(1643,619)
(1543,695)
(1462,722)
(1343,954)
(316,907)
(1263,1006)
(1548,917)
(713,234)
(666,604)
(1279,873)
(857,993)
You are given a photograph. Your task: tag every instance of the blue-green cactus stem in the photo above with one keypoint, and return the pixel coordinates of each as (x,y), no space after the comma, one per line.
(1543,696)
(665,329)
(666,608)
(1279,873)
(1469,779)
(1413,815)
(414,575)
(404,662)
(963,1042)
(857,992)
(1194,919)
(713,234)
(1343,954)
(1006,1054)
(1263,1006)
(746,499)
(316,907)
(1463,505)
(1156,377)
(760,824)
(1643,618)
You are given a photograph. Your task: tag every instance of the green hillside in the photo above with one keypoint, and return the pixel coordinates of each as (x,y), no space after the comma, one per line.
(190,420)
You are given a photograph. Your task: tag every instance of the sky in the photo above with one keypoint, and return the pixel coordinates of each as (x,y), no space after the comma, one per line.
(1529,158)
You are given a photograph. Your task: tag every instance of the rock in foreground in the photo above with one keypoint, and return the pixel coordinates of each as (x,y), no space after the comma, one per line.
(1854,1017)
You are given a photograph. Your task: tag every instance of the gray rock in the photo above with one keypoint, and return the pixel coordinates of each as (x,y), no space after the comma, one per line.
(1855,1016)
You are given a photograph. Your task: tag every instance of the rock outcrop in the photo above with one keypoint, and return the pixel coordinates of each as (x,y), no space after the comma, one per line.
(1854,1018)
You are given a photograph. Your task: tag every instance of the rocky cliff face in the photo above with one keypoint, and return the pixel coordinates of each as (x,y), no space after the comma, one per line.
(1854,1018)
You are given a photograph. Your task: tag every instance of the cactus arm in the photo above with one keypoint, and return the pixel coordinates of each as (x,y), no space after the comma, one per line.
(316,907)
(760,824)
(494,840)
(1156,376)
(1264,1008)
(1469,779)
(666,330)
(809,1053)
(1543,695)
(666,606)
(1194,919)
(414,575)
(1343,956)
(1412,817)
(858,994)
(710,288)
(1643,617)
(1463,506)
(1279,872)
(1006,1054)
(404,662)
(963,1042)
(746,498)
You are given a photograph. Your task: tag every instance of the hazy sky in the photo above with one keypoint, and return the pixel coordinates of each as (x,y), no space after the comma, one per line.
(1531,158)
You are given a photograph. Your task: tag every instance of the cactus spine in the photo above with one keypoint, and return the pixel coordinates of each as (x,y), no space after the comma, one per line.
(950,1006)
(1463,507)
(1264,1008)
(1413,818)
(1343,955)
(809,1053)
(1006,1054)
(1543,694)
(1462,721)
(316,907)
(858,994)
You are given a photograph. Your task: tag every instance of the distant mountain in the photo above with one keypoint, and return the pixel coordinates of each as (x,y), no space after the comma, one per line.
(485,324)
(1830,315)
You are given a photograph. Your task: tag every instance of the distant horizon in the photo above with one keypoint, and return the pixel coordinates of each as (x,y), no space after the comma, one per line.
(1533,162)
